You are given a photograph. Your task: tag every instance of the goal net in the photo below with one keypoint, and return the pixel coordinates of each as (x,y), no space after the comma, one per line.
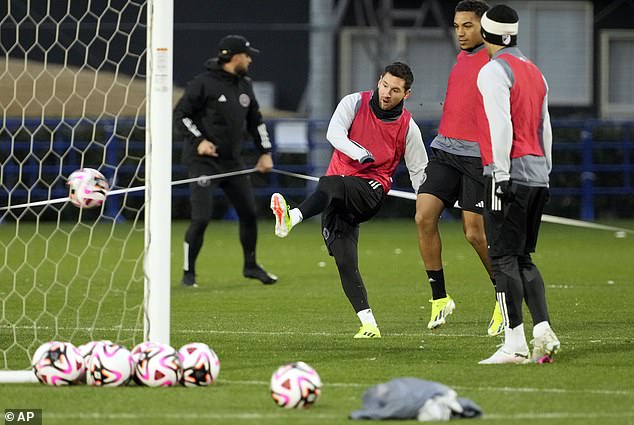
(74,93)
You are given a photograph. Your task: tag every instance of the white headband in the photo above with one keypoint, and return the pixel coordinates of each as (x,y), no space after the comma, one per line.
(498,28)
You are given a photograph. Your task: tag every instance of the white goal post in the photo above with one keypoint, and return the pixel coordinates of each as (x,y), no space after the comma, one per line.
(85,84)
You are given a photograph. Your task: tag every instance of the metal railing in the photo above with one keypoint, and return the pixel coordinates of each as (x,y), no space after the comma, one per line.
(593,172)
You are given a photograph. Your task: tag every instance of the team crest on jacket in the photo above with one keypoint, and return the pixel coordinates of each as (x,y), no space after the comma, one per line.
(244,100)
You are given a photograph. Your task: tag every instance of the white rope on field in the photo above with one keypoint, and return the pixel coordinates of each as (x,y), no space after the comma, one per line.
(133,189)
(394,193)
(545,217)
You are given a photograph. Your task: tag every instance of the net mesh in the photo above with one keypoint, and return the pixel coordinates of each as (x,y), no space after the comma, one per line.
(73,94)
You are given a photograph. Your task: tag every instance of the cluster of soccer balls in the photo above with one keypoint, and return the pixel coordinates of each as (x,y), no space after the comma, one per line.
(106,364)
(88,188)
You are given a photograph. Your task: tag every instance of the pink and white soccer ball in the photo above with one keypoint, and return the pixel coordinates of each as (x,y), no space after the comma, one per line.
(109,365)
(157,365)
(86,351)
(200,365)
(295,385)
(88,188)
(136,355)
(58,363)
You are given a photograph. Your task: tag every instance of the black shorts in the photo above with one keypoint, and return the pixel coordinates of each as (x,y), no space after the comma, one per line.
(514,229)
(453,178)
(354,200)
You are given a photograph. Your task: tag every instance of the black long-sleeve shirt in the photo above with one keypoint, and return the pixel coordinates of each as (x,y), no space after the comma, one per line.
(216,106)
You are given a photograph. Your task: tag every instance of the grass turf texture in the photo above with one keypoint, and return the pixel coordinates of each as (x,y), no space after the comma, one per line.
(255,328)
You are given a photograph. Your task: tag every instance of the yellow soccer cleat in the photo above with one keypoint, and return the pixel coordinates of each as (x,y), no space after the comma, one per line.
(440,309)
(496,325)
(282,219)
(368,331)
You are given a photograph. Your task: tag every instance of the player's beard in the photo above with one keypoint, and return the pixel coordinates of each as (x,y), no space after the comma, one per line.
(241,70)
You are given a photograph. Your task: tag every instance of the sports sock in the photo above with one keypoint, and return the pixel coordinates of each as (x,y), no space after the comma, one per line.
(540,329)
(437,283)
(514,338)
(296,216)
(366,316)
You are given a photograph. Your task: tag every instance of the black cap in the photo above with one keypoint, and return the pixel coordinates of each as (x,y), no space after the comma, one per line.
(233,44)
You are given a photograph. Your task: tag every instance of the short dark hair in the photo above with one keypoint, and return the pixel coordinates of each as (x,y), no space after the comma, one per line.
(476,6)
(401,70)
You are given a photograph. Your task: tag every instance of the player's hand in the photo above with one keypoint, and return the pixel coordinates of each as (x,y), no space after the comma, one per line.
(206,148)
(505,190)
(265,163)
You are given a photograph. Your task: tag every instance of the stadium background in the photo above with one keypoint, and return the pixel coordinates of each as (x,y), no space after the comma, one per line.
(593,176)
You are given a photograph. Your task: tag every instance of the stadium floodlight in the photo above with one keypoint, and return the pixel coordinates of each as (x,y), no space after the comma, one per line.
(85,84)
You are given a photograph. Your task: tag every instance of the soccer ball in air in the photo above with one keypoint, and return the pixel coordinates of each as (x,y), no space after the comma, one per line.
(200,365)
(157,365)
(58,363)
(295,385)
(109,365)
(88,188)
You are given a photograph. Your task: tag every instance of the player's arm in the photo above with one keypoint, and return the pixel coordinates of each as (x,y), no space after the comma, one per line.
(339,126)
(415,155)
(495,85)
(546,132)
(257,128)
(192,101)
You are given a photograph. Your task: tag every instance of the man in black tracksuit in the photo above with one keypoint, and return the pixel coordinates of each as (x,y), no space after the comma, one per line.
(210,119)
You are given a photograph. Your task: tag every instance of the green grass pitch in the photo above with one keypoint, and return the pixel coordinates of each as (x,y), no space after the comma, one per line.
(255,328)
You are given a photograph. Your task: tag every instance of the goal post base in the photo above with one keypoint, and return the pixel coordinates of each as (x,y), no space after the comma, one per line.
(17,377)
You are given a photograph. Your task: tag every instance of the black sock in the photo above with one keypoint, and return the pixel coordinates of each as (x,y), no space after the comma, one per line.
(437,283)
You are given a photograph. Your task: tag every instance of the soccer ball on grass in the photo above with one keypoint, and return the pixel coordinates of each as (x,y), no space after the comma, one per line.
(109,365)
(157,365)
(58,363)
(200,365)
(295,385)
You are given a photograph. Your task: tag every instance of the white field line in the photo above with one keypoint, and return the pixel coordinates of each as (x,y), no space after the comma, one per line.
(463,388)
(422,334)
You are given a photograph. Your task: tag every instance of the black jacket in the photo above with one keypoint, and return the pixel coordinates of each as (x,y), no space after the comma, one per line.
(216,106)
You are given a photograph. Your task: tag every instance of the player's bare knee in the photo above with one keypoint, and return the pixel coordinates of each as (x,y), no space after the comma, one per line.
(475,238)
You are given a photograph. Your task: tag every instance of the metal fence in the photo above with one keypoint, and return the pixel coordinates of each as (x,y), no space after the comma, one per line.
(593,172)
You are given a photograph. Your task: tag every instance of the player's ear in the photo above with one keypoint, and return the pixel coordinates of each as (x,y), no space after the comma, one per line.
(407,93)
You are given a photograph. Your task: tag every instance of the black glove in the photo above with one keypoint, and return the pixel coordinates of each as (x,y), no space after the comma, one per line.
(366,159)
(505,191)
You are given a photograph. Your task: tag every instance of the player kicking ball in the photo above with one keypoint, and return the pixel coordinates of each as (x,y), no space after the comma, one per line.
(371,132)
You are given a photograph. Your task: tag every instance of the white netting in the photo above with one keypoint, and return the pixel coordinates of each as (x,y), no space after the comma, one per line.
(73,94)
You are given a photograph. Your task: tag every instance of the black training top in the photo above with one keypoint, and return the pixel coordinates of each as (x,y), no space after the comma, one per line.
(216,106)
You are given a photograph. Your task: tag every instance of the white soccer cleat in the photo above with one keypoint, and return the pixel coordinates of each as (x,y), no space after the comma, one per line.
(282,219)
(545,347)
(506,356)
